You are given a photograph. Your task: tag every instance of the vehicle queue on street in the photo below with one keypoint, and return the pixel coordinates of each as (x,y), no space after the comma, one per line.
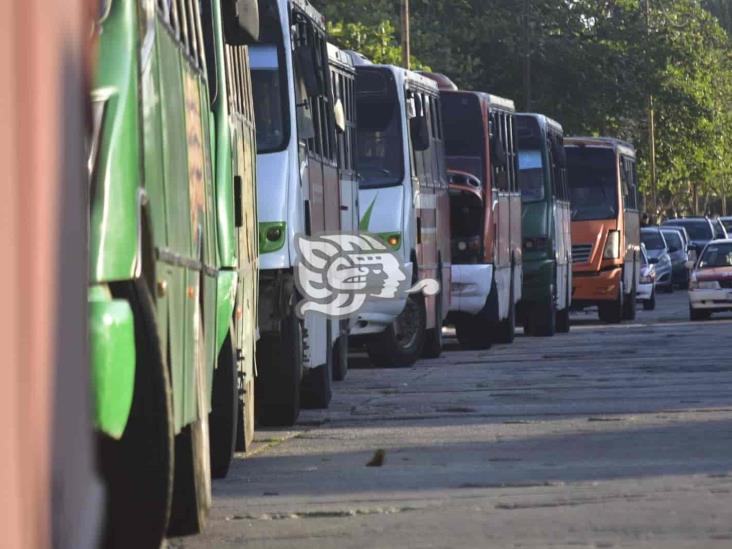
(229,132)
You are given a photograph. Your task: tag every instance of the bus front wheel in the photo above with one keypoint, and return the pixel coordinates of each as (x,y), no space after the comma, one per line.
(138,469)
(612,311)
(400,345)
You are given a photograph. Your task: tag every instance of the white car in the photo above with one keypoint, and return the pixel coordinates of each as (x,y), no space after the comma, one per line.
(647,285)
(710,288)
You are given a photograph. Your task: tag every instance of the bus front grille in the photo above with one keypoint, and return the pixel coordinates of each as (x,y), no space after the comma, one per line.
(581,253)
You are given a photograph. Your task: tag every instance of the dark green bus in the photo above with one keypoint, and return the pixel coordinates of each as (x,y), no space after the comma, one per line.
(546,217)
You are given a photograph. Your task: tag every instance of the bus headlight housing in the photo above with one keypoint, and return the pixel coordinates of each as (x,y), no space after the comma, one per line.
(612,245)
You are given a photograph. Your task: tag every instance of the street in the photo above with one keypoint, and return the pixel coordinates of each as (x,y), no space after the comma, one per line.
(611,436)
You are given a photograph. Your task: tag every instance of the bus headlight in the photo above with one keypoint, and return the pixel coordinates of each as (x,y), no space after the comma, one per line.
(612,245)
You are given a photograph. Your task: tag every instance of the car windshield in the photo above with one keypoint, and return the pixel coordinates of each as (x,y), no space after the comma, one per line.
(268,89)
(531,176)
(380,147)
(698,229)
(653,240)
(673,239)
(593,184)
(716,255)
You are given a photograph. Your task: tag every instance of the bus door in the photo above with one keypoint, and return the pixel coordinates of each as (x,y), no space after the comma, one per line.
(631,220)
(561,218)
(501,195)
(345,117)
(419,130)
(310,62)
(515,240)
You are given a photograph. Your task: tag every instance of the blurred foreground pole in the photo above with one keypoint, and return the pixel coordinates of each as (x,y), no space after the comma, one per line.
(406,53)
(50,495)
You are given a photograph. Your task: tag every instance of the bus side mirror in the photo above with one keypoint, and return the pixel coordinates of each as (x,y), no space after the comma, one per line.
(340,116)
(241,21)
(305,125)
(498,153)
(420,133)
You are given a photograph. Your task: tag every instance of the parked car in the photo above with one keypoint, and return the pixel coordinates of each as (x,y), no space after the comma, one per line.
(720,231)
(727,222)
(700,231)
(710,287)
(677,250)
(658,255)
(647,285)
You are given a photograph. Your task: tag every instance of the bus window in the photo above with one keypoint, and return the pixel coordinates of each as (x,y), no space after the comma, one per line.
(379,130)
(464,135)
(268,87)
(592,183)
(531,175)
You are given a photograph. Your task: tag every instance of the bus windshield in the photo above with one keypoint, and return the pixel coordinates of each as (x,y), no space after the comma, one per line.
(531,176)
(380,148)
(716,255)
(269,97)
(593,183)
(464,133)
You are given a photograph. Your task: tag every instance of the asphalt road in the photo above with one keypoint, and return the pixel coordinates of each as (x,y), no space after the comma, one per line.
(610,436)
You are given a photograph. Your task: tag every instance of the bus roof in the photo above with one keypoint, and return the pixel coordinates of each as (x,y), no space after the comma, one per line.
(339,57)
(604,142)
(406,76)
(443,81)
(493,101)
(544,121)
(310,11)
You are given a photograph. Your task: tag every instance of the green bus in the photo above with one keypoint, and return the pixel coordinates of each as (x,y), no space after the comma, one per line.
(546,223)
(172,257)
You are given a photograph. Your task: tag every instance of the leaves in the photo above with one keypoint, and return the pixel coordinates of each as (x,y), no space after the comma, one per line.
(591,64)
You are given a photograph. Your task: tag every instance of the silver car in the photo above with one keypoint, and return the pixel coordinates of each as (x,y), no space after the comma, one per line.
(678,251)
(658,256)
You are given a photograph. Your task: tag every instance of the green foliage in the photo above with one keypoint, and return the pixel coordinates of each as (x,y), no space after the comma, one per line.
(591,64)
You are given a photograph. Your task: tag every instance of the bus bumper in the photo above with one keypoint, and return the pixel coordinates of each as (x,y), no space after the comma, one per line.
(595,286)
(471,285)
(378,314)
(538,280)
(112,343)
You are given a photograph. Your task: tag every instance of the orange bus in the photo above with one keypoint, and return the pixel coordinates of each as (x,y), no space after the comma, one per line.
(605,226)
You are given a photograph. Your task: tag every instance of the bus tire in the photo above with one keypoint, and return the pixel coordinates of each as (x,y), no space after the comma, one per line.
(400,345)
(137,469)
(280,360)
(340,356)
(192,481)
(316,387)
(611,312)
(545,319)
(506,329)
(433,338)
(472,332)
(224,418)
(629,306)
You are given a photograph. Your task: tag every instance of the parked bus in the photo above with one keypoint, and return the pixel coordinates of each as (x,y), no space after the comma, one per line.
(301,123)
(485,204)
(164,258)
(404,200)
(605,225)
(546,226)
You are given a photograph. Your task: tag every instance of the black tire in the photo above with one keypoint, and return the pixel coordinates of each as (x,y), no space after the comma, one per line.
(629,305)
(223,420)
(505,330)
(564,324)
(137,469)
(611,312)
(279,374)
(473,331)
(400,345)
(433,338)
(650,303)
(192,481)
(340,354)
(699,314)
(316,387)
(543,318)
